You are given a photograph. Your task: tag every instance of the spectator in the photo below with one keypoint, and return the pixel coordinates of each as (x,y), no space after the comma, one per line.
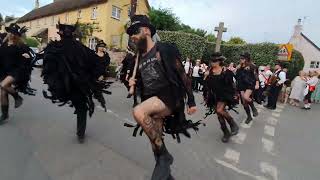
(297,89)
(196,76)
(311,82)
(188,66)
(315,97)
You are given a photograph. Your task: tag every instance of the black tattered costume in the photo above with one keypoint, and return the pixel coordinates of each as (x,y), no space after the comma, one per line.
(166,80)
(247,78)
(220,96)
(71,71)
(14,64)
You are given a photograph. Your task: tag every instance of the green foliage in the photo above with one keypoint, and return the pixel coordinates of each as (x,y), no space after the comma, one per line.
(236,40)
(1,18)
(31,42)
(261,54)
(9,18)
(86,30)
(112,70)
(164,19)
(188,29)
(189,45)
(211,38)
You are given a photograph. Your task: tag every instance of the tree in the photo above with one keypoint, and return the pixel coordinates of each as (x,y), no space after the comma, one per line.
(1,20)
(236,40)
(211,38)
(9,18)
(86,30)
(164,19)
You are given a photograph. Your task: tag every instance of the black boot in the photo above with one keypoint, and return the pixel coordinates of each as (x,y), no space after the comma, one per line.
(163,161)
(248,112)
(254,110)
(5,113)
(233,126)
(226,133)
(18,100)
(81,125)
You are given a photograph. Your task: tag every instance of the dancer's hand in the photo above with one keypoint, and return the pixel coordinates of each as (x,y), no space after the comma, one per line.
(132,82)
(191,110)
(26,55)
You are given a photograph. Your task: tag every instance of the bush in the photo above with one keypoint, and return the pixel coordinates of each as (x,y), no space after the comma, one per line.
(32,42)
(189,45)
(261,54)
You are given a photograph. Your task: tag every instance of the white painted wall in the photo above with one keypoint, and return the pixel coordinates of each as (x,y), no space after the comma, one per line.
(309,52)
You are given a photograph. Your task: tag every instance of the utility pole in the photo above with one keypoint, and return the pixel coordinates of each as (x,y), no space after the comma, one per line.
(133,8)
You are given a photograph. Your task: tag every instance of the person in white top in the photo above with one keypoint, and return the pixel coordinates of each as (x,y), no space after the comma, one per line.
(187,66)
(311,82)
(297,89)
(196,76)
(276,86)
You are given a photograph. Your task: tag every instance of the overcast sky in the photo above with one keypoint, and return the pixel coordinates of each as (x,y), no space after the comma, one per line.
(252,20)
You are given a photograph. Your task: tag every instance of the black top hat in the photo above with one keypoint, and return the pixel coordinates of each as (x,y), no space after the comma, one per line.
(66,30)
(138,21)
(246,56)
(217,56)
(16,29)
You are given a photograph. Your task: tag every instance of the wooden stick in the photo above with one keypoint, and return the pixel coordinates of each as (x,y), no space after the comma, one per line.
(131,91)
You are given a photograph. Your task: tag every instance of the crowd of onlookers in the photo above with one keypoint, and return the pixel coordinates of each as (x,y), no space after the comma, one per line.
(301,91)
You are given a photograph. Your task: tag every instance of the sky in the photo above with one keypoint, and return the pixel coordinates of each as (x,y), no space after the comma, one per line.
(253,20)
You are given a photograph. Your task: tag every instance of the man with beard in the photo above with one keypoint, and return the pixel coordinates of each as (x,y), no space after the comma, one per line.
(164,86)
(247,82)
(71,71)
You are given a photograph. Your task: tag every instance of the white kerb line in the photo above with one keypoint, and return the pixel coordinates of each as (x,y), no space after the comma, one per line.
(269,170)
(269,130)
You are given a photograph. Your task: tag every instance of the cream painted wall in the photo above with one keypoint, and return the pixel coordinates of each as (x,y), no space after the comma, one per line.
(109,26)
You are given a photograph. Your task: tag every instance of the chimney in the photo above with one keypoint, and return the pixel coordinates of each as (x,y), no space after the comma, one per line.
(36,6)
(298,28)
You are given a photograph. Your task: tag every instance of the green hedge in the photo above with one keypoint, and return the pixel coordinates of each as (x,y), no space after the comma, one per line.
(261,54)
(197,47)
(189,45)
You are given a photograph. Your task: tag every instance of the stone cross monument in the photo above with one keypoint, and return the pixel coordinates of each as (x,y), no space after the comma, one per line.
(221,29)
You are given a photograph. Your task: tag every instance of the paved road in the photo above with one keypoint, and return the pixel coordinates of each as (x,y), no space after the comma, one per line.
(39,143)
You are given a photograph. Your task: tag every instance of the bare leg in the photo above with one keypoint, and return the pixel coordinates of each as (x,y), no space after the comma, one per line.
(221,111)
(245,99)
(6,85)
(149,115)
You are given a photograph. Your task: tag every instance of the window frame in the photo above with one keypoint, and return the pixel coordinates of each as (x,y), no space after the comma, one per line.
(117,15)
(94,13)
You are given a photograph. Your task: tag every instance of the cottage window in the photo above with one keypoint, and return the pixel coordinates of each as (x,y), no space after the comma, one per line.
(116,12)
(79,14)
(315,64)
(94,14)
(92,43)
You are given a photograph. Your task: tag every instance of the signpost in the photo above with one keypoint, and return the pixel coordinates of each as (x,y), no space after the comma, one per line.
(285,52)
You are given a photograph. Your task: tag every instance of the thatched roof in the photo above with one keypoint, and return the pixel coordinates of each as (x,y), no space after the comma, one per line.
(58,7)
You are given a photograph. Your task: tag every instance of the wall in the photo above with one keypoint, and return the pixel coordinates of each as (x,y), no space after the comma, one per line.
(309,52)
